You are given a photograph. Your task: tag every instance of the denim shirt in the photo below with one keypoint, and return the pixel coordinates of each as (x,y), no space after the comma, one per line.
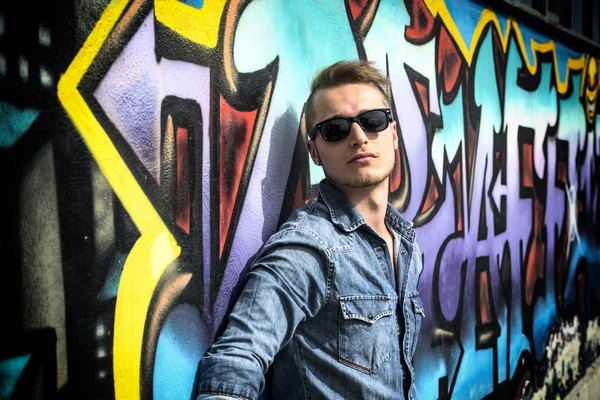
(323,304)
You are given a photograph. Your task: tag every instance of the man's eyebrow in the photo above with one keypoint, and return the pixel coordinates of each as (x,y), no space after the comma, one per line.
(346,116)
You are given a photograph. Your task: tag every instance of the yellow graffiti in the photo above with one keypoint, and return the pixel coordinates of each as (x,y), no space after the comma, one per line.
(438,8)
(155,249)
(589,88)
(200,25)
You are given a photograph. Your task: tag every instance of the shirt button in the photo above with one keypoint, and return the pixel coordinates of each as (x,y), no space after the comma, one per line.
(379,249)
(370,316)
(403,252)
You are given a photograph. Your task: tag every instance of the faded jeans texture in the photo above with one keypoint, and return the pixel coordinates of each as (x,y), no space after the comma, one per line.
(323,304)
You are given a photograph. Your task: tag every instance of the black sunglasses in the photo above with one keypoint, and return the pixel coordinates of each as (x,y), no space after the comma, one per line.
(338,128)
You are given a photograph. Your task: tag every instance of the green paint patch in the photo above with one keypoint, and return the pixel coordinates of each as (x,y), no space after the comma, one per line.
(14,122)
(10,372)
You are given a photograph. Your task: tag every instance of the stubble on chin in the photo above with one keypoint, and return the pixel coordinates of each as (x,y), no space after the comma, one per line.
(360,182)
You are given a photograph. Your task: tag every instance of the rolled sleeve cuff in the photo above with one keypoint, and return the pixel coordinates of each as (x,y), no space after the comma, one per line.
(221,377)
(211,396)
(224,390)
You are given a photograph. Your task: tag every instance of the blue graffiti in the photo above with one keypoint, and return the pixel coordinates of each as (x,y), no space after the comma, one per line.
(14,122)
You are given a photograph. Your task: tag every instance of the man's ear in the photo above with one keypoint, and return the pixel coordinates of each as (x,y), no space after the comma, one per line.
(314,153)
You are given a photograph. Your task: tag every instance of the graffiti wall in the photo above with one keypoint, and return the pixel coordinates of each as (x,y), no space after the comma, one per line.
(167,145)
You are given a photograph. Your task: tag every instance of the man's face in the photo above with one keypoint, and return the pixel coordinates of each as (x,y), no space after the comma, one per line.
(361,159)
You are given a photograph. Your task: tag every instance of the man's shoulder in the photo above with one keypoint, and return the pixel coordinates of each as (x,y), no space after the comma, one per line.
(313,215)
(312,220)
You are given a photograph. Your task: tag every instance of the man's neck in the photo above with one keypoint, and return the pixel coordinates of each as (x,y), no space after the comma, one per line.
(371,202)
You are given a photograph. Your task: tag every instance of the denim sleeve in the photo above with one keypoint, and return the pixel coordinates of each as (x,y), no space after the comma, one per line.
(288,284)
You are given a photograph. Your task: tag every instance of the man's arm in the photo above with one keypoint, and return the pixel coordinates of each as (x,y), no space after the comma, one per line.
(287,285)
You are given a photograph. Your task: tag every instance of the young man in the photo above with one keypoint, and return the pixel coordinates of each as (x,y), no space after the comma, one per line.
(332,298)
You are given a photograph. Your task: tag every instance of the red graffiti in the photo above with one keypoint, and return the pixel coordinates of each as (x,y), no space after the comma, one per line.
(357,7)
(235,134)
(421,22)
(449,62)
(183,205)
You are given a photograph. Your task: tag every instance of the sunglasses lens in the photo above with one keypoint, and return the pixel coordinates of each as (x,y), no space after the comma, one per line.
(374,121)
(335,129)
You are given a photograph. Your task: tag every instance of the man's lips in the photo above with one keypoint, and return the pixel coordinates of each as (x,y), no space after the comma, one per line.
(362,157)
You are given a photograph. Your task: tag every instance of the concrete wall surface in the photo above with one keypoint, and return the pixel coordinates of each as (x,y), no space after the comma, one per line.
(149,147)
(588,387)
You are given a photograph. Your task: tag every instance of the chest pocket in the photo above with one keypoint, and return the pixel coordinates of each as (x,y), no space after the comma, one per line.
(416,317)
(366,332)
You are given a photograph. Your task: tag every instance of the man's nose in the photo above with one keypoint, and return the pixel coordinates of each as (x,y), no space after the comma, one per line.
(357,135)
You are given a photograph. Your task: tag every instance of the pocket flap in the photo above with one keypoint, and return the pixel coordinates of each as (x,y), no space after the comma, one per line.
(416,304)
(366,308)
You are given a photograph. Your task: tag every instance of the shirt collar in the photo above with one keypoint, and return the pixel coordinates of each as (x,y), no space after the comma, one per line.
(346,216)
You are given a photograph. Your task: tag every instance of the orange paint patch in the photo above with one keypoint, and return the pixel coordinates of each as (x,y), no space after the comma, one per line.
(432,195)
(457,178)
(527,165)
(356,7)
(485,311)
(183,181)
(449,61)
(424,96)
(235,134)
(537,252)
(421,22)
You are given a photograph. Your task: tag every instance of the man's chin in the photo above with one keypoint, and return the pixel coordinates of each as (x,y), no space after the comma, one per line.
(364,184)
(359,182)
